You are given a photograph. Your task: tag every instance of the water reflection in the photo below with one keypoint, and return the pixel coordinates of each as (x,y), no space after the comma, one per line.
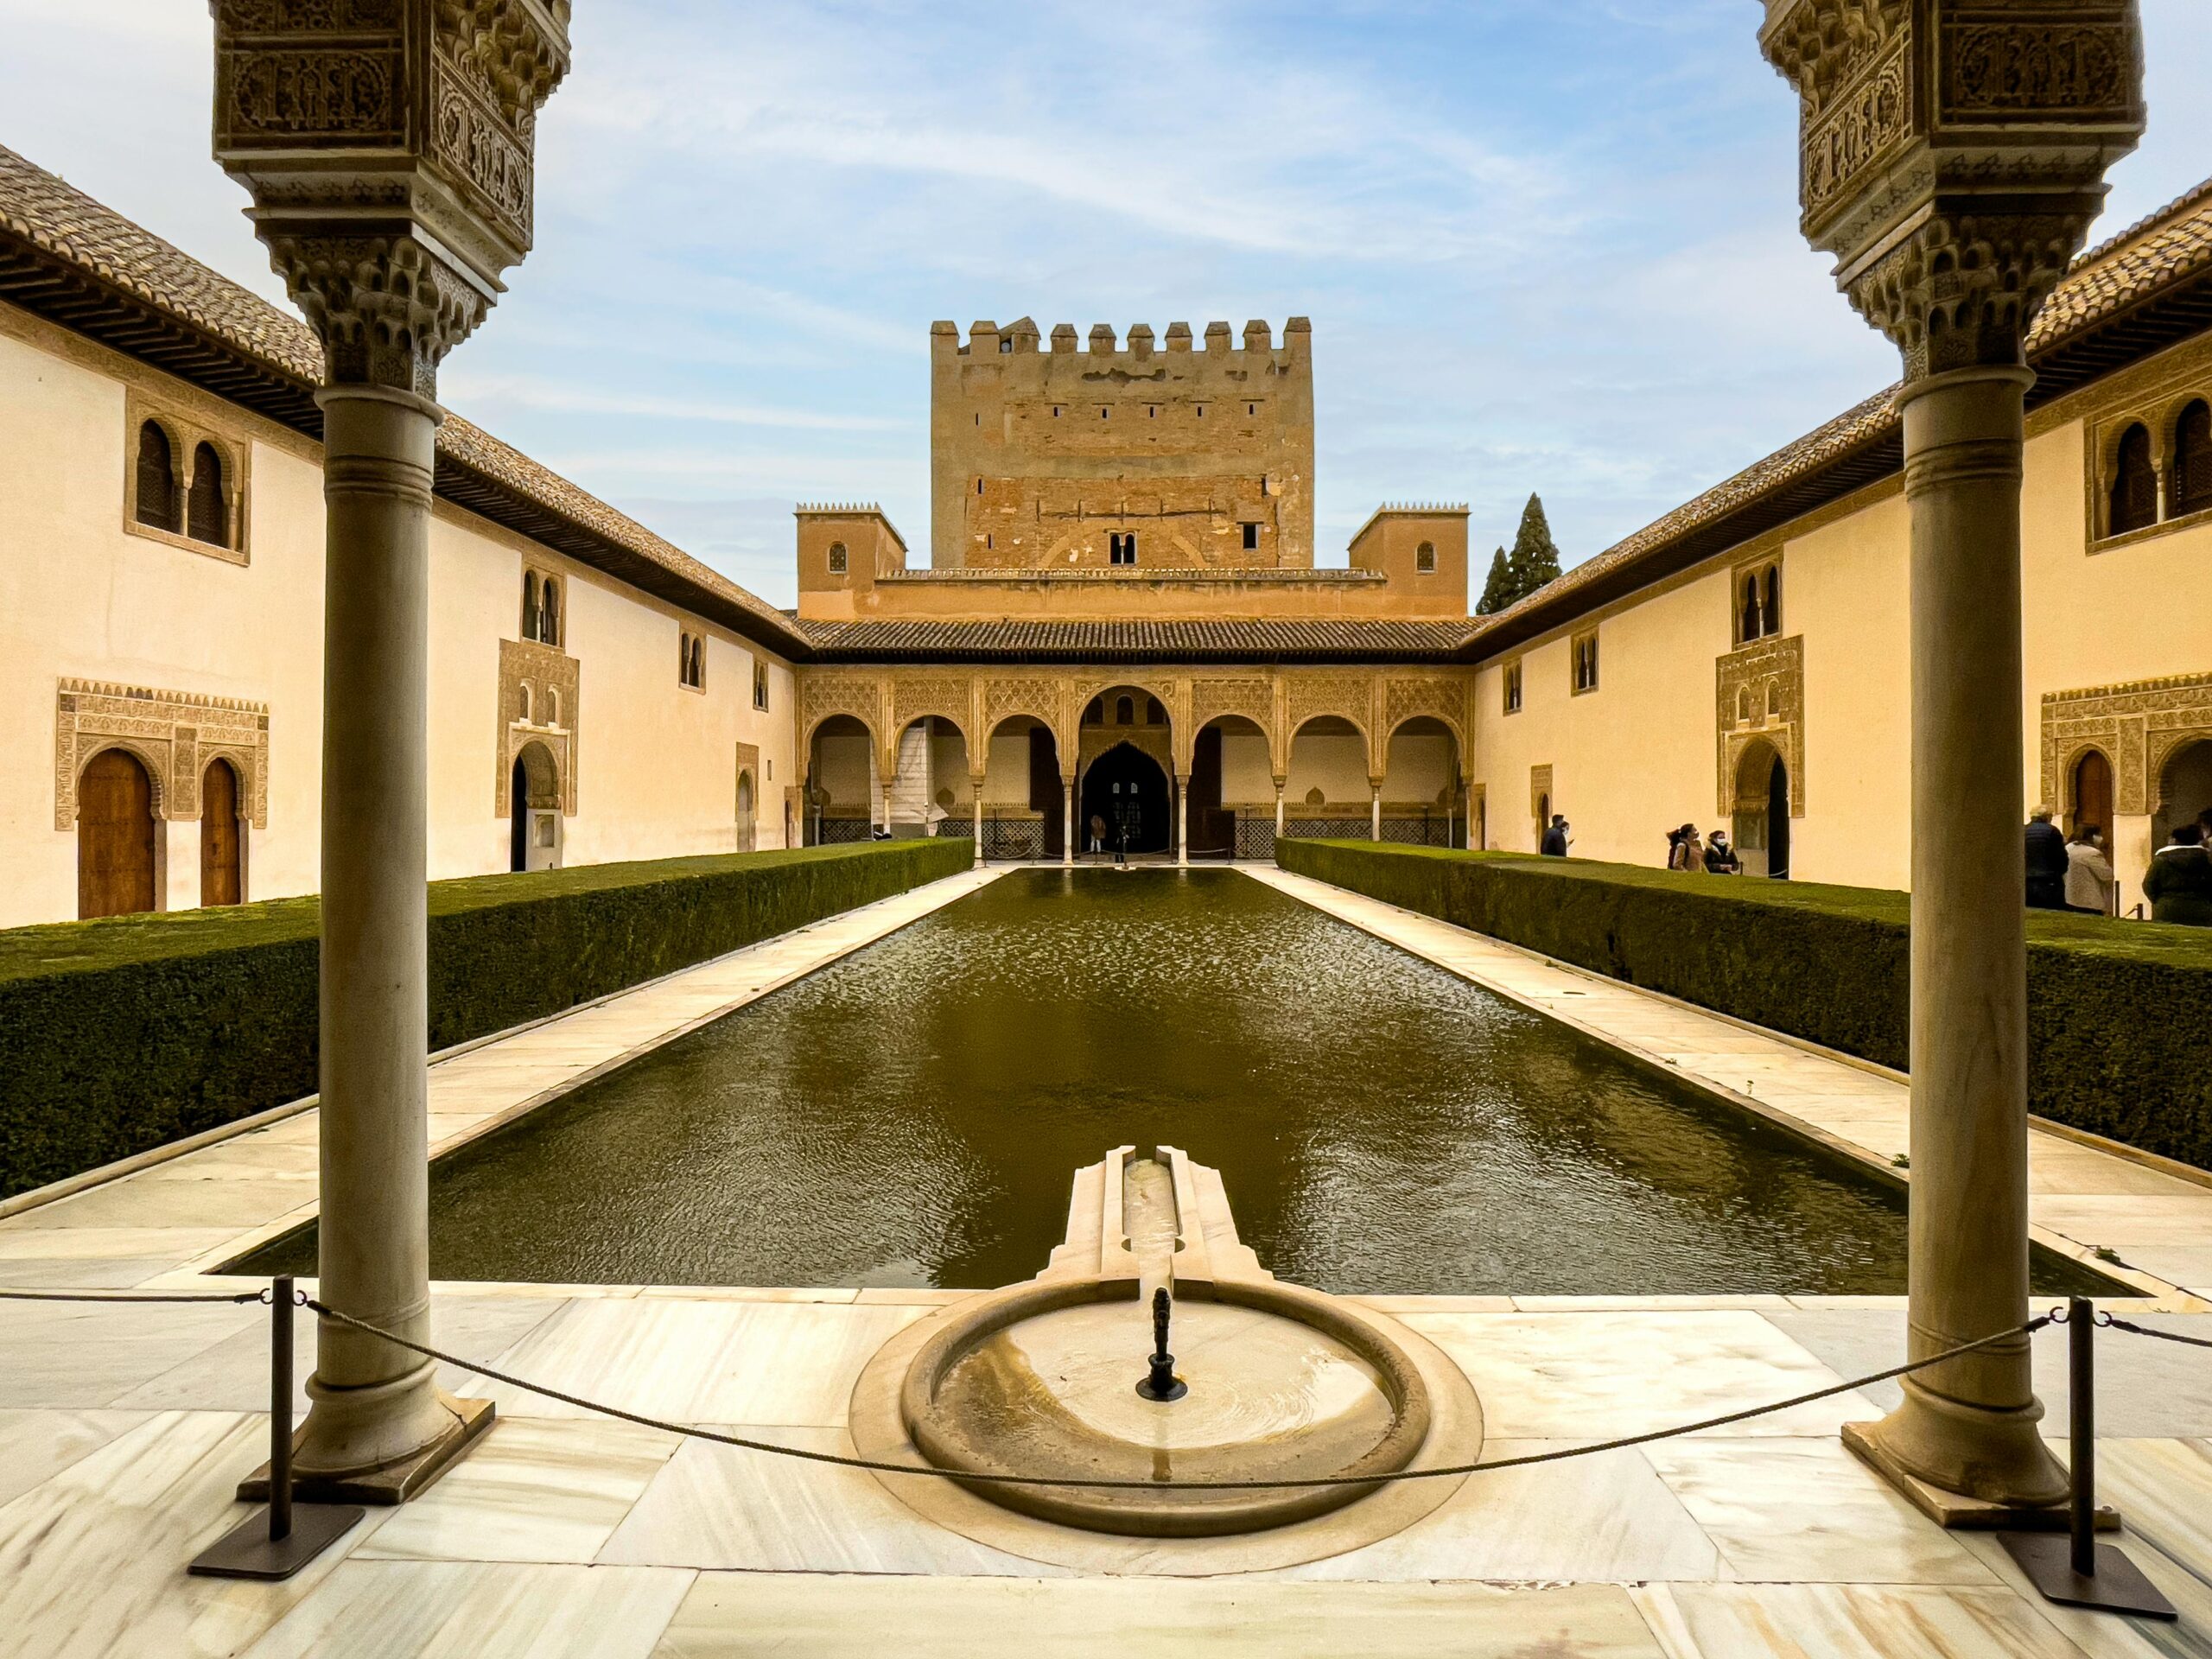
(913,1113)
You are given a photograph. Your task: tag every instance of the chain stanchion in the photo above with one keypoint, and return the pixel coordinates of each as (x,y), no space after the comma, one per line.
(280,1539)
(2072,1568)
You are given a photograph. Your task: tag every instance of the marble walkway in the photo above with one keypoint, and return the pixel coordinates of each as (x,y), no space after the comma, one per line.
(123,1430)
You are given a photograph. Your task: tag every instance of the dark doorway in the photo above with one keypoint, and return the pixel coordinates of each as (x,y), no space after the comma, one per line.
(518,829)
(1777,822)
(1213,831)
(1047,793)
(115,836)
(222,867)
(1126,787)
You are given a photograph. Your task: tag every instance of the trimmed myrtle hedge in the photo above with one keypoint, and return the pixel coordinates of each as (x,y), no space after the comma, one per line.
(2119,1014)
(118,1035)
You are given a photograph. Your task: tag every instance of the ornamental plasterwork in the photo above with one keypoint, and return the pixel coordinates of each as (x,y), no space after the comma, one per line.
(540,688)
(1952,155)
(1433,696)
(1759,697)
(2139,727)
(947,698)
(388,146)
(859,695)
(177,735)
(1346,696)
(1540,793)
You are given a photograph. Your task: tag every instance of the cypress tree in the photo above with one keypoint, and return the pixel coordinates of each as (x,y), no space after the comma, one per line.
(1497,589)
(1534,558)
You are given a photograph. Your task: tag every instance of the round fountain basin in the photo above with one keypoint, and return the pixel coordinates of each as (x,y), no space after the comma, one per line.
(1284,1385)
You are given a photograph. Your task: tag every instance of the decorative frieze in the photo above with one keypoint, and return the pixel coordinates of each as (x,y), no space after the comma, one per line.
(177,735)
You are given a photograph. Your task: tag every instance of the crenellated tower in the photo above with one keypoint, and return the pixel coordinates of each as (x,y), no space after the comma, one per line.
(1165,454)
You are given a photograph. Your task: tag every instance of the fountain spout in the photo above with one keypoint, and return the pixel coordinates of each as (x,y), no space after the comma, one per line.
(1160,1383)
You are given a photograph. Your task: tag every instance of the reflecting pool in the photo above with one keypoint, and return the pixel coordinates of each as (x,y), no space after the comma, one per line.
(912,1114)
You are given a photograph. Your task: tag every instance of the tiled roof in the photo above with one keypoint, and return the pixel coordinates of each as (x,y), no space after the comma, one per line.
(64,223)
(2149,259)
(1334,637)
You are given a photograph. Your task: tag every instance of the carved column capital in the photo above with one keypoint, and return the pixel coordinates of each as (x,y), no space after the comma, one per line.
(388,146)
(1952,155)
(388,308)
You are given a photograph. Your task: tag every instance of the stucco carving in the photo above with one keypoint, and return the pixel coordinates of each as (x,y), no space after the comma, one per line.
(1952,158)
(1759,697)
(2139,725)
(540,691)
(175,734)
(1431,696)
(1540,792)
(388,146)
(947,697)
(859,695)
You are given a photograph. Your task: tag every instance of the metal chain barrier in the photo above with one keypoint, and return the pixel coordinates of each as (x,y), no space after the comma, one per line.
(2056,1317)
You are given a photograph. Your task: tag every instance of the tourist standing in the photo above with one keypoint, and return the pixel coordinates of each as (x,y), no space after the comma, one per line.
(1720,858)
(2178,884)
(2089,873)
(1693,848)
(2047,862)
(1556,840)
(1097,834)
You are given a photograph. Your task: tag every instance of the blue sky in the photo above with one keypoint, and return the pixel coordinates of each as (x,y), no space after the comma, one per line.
(1547,244)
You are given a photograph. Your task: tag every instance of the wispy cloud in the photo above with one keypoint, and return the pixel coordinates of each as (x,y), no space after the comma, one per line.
(1545,246)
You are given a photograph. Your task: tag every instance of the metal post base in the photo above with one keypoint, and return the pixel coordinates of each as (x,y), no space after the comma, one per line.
(247,1551)
(2117,1587)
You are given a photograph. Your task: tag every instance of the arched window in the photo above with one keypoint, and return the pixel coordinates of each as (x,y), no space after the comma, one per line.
(838,558)
(1771,616)
(2134,483)
(549,615)
(1425,558)
(1743,705)
(157,491)
(1125,711)
(530,605)
(207,512)
(525,689)
(1749,622)
(2192,485)
(552,705)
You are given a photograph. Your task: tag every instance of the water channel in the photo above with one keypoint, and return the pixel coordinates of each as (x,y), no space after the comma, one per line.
(911,1115)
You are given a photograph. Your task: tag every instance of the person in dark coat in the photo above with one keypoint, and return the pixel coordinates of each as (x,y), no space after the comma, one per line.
(2046,862)
(1720,857)
(2178,884)
(1556,840)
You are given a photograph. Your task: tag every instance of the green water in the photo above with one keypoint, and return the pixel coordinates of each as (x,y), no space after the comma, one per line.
(912,1114)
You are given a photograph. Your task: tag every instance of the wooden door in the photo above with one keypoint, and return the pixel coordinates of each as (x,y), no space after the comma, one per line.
(2093,794)
(222,874)
(115,836)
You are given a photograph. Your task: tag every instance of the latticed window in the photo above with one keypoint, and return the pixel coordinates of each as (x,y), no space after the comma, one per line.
(1586,663)
(2192,486)
(157,491)
(837,559)
(2134,483)
(1425,558)
(207,517)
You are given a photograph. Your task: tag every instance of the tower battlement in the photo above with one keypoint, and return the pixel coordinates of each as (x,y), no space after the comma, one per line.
(1055,450)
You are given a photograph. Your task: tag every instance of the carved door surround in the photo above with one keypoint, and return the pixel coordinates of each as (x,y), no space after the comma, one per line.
(1759,697)
(540,693)
(2139,725)
(173,734)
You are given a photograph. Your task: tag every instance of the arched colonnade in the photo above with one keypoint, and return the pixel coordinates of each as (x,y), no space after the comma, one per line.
(1041,765)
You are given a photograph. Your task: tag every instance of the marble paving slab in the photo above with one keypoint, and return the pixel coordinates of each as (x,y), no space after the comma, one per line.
(744,1615)
(414,1610)
(1847,1621)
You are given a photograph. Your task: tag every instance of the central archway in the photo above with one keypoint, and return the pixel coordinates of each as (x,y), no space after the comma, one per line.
(1125,789)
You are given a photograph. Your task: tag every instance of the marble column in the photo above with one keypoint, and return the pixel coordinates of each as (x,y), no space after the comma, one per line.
(1279,786)
(1970,1427)
(1068,829)
(1374,812)
(975,798)
(1183,821)
(392,242)
(1950,226)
